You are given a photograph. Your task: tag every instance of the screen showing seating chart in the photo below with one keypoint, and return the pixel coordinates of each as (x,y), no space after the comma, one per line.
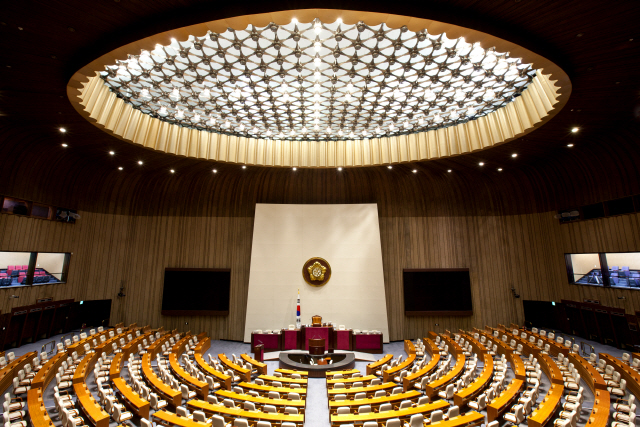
(434,292)
(196,292)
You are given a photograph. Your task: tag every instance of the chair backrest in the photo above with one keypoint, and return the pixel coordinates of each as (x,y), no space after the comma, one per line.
(436,416)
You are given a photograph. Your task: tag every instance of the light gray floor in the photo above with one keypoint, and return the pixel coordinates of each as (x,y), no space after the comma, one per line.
(317,411)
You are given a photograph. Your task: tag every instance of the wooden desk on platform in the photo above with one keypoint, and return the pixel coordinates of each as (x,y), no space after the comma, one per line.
(260,367)
(231,414)
(284,380)
(223,379)
(409,347)
(500,404)
(601,406)
(265,389)
(225,394)
(348,381)
(37,412)
(170,419)
(91,409)
(632,377)
(394,399)
(464,396)
(370,391)
(545,410)
(289,372)
(403,414)
(132,400)
(244,374)
(390,373)
(9,372)
(469,419)
(345,374)
(372,367)
(173,397)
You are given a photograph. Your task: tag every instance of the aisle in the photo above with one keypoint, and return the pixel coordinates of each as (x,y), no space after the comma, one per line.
(317,410)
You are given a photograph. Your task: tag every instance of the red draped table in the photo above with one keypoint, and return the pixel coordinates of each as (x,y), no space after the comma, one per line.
(271,342)
(343,340)
(290,339)
(317,332)
(367,343)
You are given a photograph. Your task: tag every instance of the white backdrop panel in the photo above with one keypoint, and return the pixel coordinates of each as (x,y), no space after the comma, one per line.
(286,236)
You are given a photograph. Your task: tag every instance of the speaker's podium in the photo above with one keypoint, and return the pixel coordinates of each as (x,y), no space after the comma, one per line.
(316,346)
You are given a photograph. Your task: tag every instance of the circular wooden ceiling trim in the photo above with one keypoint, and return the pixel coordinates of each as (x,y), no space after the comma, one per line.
(539,102)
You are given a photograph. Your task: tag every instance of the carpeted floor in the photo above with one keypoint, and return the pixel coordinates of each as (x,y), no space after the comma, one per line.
(317,410)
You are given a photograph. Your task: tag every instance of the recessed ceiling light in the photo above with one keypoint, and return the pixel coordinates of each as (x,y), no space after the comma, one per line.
(415,171)
(389,167)
(63,130)
(339,169)
(574,130)
(514,155)
(449,170)
(569,145)
(139,162)
(64,145)
(295,169)
(244,167)
(499,169)
(112,152)
(120,168)
(215,171)
(481,164)
(172,171)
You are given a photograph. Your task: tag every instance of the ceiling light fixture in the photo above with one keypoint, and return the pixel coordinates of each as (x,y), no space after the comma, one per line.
(514,155)
(339,169)
(499,169)
(481,164)
(139,162)
(574,130)
(112,152)
(232,75)
(244,167)
(63,130)
(295,169)
(172,171)
(120,168)
(389,167)
(449,171)
(415,171)
(64,145)
(569,145)
(215,171)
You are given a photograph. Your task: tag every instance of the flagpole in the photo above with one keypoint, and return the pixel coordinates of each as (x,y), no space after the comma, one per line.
(298,323)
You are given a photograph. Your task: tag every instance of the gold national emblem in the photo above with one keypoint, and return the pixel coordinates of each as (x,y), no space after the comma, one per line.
(316,271)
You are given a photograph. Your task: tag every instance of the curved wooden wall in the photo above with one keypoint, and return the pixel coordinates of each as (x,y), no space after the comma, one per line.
(501,226)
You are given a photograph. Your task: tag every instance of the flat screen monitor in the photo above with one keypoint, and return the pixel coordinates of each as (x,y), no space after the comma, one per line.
(196,292)
(541,314)
(437,292)
(89,313)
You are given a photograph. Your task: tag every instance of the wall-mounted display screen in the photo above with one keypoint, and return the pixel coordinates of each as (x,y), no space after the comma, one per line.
(444,292)
(608,269)
(33,268)
(196,291)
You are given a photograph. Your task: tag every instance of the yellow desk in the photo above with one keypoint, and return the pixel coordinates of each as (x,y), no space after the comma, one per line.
(231,414)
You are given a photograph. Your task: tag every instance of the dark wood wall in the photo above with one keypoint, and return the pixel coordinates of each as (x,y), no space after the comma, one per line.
(500,225)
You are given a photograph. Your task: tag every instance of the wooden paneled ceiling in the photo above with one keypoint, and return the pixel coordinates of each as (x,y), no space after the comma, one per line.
(597,43)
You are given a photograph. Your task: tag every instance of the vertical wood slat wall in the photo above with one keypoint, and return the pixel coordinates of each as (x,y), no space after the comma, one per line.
(183,225)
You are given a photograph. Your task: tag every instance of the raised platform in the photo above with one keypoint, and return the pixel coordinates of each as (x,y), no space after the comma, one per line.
(301,361)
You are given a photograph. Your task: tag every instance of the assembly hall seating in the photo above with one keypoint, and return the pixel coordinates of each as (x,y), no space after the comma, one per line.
(445,380)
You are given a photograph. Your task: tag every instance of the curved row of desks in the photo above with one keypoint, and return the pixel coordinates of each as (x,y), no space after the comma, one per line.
(432,349)
(230,414)
(202,346)
(200,387)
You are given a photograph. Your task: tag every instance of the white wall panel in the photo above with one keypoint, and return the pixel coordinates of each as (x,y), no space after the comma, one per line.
(285,236)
